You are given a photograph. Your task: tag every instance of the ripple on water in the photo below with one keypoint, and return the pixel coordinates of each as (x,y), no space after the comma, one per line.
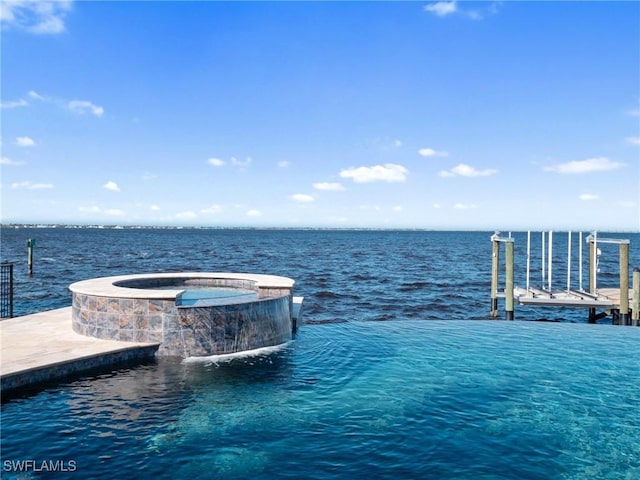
(441,399)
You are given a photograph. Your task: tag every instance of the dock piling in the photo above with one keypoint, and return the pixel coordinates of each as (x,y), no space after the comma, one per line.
(592,273)
(495,263)
(550,260)
(593,263)
(30,244)
(508,289)
(624,283)
(496,239)
(635,306)
(569,261)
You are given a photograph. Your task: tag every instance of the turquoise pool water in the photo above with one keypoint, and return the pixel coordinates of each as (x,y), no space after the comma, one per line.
(201,296)
(404,399)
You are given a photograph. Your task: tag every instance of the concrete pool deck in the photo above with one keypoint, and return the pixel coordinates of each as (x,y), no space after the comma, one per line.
(43,346)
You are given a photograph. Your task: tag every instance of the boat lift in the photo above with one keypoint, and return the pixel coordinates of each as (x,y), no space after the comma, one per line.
(621,303)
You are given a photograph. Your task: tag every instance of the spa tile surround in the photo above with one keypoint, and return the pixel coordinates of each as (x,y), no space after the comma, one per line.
(134,309)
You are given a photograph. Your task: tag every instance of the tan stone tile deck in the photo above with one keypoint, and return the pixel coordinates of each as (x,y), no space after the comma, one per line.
(43,346)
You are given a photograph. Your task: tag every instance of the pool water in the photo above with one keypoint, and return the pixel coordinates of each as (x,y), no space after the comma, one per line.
(385,400)
(214,296)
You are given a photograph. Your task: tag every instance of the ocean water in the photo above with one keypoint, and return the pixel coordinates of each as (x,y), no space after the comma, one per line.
(344,275)
(436,390)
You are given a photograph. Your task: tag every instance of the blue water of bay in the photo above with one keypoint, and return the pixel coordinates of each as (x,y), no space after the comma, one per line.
(435,391)
(344,275)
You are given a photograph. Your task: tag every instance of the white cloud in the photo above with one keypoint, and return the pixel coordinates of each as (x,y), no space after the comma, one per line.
(35,16)
(284,164)
(240,164)
(243,164)
(375,208)
(389,172)
(474,15)
(465,206)
(36,96)
(633,140)
(397,208)
(436,205)
(14,104)
(634,113)
(92,209)
(589,165)
(302,198)
(588,197)
(188,215)
(329,186)
(82,106)
(385,143)
(48,25)
(8,161)
(154,208)
(6,12)
(31,186)
(254,213)
(627,204)
(464,170)
(213,209)
(79,107)
(113,212)
(445,8)
(430,152)
(113,186)
(25,142)
(441,8)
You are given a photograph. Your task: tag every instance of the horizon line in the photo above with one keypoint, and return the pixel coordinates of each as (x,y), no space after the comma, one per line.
(114,226)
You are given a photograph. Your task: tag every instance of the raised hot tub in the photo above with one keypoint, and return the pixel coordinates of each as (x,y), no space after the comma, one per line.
(188,314)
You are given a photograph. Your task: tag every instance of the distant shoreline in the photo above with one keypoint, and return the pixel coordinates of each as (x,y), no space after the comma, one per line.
(196,227)
(267,228)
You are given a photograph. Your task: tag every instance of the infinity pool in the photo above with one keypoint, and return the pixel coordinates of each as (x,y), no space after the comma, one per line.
(384,400)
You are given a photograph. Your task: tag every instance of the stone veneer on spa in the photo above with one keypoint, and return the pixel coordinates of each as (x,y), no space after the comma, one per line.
(142,308)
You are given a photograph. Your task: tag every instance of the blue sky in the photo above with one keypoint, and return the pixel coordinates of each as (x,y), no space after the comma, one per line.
(444,115)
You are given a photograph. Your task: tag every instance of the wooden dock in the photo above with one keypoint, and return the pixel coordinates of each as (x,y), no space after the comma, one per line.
(604,298)
(622,303)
